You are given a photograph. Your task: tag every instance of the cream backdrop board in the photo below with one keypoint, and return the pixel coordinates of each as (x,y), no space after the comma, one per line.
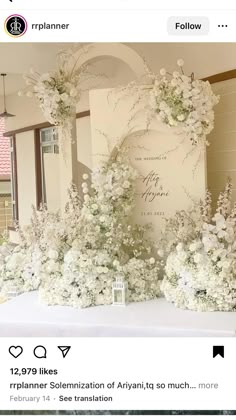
(171,175)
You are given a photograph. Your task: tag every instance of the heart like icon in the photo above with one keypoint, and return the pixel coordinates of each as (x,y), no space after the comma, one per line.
(15,351)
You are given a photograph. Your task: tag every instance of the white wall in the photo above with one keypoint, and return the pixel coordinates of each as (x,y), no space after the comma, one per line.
(26,175)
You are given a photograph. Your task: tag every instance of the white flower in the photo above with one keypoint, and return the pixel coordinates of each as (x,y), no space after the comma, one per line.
(181,117)
(180,62)
(86,197)
(126,184)
(162,72)
(179,247)
(152,260)
(73,92)
(197,258)
(52,254)
(160,252)
(85,176)
(201,270)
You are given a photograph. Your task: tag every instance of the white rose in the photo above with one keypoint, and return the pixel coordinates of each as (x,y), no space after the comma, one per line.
(126,184)
(119,191)
(181,117)
(85,176)
(152,260)
(179,247)
(197,258)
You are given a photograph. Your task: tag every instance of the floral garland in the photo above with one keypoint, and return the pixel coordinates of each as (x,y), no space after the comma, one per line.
(201,268)
(178,100)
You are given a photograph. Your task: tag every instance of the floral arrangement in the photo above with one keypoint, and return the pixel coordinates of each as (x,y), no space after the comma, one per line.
(41,248)
(59,91)
(106,245)
(178,100)
(200,272)
(74,258)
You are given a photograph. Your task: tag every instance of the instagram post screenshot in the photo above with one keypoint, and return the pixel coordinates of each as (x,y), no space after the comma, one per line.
(117,209)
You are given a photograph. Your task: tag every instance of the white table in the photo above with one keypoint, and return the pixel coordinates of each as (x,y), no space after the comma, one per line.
(24,316)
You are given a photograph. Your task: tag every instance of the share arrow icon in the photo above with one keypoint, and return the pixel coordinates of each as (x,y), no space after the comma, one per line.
(65,350)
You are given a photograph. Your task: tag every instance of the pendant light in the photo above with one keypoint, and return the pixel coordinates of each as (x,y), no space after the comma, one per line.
(5,114)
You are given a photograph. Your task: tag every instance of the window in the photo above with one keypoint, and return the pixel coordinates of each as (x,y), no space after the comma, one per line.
(49,150)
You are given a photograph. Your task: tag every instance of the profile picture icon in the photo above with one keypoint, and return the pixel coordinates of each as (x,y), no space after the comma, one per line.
(16,26)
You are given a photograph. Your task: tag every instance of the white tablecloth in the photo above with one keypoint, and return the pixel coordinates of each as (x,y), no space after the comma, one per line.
(24,316)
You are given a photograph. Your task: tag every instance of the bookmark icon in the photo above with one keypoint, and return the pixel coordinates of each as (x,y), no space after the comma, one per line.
(218,351)
(65,350)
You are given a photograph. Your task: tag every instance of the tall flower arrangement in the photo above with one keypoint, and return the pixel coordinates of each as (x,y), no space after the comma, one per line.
(73,258)
(107,245)
(201,267)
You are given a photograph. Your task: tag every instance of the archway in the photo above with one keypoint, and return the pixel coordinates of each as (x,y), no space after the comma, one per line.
(122,52)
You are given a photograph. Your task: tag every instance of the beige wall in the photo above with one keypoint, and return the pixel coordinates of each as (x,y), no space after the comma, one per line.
(221,155)
(84,147)
(204,59)
(26,175)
